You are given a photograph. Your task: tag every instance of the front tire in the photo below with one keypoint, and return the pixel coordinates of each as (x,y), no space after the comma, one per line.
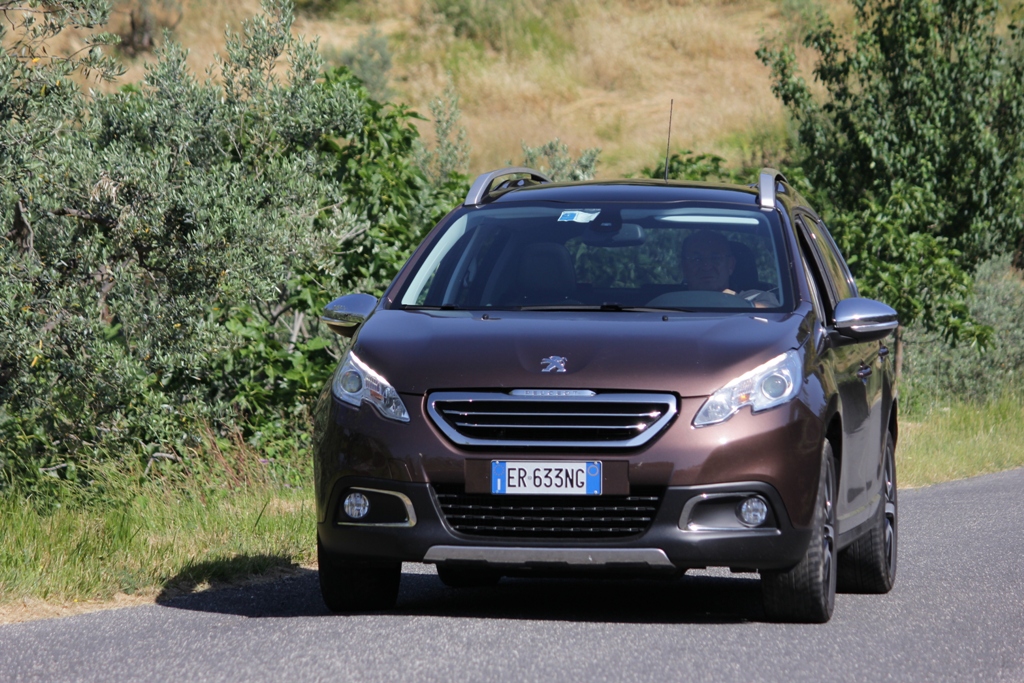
(868,565)
(351,586)
(807,592)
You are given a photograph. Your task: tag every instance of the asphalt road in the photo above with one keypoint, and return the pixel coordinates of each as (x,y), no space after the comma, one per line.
(956,614)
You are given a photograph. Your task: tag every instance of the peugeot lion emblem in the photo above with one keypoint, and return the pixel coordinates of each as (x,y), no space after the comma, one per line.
(553,364)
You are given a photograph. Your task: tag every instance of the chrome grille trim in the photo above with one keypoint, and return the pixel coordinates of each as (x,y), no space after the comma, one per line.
(461,413)
(637,415)
(497,425)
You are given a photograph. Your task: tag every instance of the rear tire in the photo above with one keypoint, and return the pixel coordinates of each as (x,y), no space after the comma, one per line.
(807,592)
(352,586)
(467,577)
(868,565)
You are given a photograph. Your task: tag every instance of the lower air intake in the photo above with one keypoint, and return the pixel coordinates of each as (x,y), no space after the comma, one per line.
(548,516)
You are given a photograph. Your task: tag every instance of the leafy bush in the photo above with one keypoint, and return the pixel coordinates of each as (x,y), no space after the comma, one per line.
(914,147)
(146,20)
(449,160)
(510,26)
(690,166)
(800,15)
(170,247)
(937,372)
(370,61)
(320,7)
(558,163)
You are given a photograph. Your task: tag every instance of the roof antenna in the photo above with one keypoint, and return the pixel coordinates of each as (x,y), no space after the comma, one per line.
(668,145)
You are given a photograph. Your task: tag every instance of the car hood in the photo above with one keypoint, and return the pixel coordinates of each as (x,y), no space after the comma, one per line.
(691,354)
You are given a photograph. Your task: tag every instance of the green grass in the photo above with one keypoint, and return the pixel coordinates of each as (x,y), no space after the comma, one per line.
(159,542)
(961,440)
(185,539)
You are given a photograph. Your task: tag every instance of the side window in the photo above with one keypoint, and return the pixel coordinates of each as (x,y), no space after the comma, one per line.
(847,275)
(834,264)
(819,308)
(815,262)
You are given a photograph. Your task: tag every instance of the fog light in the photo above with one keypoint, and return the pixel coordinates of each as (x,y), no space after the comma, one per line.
(356,505)
(753,511)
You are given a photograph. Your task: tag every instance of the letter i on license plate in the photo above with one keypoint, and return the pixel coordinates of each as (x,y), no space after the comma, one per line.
(552,478)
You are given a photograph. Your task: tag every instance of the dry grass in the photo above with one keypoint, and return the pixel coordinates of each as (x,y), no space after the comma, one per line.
(608,83)
(204,23)
(612,90)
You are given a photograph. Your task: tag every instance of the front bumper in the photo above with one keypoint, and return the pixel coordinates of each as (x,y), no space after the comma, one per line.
(684,534)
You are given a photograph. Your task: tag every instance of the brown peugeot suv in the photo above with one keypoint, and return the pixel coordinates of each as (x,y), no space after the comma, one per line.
(618,378)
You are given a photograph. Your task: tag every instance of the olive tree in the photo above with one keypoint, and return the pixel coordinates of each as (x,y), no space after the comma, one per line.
(167,245)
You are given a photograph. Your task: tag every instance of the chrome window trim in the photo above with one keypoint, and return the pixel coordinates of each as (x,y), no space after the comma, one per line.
(866,327)
(649,433)
(409,510)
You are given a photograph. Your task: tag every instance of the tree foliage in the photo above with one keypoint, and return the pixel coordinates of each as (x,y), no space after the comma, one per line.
(449,160)
(558,162)
(690,166)
(914,151)
(370,60)
(169,246)
(937,370)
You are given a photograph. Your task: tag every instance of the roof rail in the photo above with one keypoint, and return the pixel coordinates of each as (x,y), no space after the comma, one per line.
(482,184)
(767,182)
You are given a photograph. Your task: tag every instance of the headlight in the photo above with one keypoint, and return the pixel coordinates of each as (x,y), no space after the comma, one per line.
(355,382)
(764,387)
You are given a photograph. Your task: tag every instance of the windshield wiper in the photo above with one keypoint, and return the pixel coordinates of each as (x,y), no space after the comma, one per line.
(442,307)
(610,306)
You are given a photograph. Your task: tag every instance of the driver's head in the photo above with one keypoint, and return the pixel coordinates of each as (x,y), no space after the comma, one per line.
(707,261)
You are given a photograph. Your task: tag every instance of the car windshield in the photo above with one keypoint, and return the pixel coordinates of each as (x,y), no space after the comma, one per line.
(605,257)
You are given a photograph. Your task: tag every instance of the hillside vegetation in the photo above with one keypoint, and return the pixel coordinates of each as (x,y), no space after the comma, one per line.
(593,73)
(176,209)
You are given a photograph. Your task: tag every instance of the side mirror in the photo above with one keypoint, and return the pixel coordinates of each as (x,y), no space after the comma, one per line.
(344,315)
(865,319)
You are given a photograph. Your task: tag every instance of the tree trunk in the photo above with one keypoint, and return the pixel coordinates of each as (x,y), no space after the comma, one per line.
(21,232)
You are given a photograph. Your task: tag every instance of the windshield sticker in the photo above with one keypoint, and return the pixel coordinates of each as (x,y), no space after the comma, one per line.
(579,216)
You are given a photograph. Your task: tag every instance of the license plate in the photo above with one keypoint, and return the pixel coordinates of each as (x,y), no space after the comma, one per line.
(546,478)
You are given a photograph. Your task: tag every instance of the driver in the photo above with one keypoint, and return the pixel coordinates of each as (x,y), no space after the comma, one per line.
(708,262)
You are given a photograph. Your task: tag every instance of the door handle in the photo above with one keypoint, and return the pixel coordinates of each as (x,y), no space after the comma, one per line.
(864,372)
(883,351)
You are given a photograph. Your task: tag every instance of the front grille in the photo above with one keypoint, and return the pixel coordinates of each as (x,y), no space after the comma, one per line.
(548,516)
(600,420)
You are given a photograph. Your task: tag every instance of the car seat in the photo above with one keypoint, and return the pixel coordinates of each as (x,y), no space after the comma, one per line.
(744,275)
(545,276)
